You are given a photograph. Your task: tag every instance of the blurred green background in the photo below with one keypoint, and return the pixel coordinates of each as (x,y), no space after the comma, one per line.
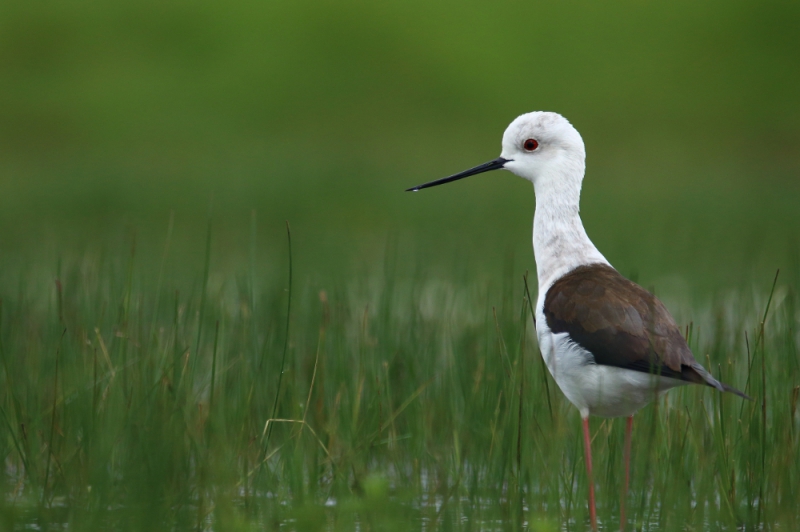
(115,114)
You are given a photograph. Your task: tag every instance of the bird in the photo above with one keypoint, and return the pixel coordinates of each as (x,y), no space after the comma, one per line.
(611,346)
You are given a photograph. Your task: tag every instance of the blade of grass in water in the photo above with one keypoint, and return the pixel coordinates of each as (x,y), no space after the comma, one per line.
(195,355)
(285,338)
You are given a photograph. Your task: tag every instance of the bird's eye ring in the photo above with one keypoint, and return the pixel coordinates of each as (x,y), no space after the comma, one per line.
(530,144)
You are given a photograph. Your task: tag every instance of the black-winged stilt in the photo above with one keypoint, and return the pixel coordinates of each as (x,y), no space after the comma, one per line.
(610,345)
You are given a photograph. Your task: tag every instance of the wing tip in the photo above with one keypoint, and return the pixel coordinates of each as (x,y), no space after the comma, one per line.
(714,383)
(734,391)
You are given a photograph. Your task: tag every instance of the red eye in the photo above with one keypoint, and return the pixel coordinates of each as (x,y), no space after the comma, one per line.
(530,144)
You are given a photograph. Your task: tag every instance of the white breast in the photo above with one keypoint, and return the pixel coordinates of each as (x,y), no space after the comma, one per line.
(599,390)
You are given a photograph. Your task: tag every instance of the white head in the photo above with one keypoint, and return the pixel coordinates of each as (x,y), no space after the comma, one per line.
(540,143)
(541,147)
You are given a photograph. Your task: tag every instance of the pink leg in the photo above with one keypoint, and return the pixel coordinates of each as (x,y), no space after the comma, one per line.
(627,458)
(587,443)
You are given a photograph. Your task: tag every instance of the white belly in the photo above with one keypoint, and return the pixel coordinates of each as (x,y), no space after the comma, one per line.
(597,390)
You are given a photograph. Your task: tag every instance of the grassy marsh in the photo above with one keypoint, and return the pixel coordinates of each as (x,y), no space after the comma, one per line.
(407,401)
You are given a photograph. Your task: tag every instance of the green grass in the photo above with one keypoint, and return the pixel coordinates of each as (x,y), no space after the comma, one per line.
(134,398)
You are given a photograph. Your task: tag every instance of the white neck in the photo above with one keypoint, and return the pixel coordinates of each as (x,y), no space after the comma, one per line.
(560,243)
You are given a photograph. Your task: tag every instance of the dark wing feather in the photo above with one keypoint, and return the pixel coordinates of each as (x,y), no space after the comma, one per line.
(620,324)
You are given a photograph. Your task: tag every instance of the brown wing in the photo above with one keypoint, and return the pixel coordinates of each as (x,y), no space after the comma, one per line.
(619,323)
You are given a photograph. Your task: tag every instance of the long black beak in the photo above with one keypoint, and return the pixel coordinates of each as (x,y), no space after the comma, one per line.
(485,167)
